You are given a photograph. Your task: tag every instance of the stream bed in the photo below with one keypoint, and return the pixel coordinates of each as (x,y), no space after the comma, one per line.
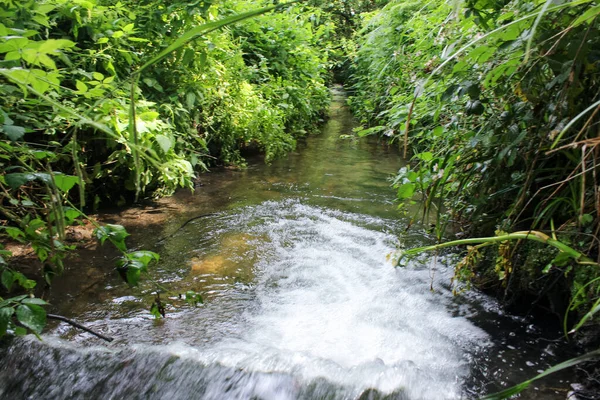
(301,300)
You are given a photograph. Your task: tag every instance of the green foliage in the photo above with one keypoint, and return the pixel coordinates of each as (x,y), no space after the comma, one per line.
(22,313)
(193,298)
(102,101)
(65,77)
(497,103)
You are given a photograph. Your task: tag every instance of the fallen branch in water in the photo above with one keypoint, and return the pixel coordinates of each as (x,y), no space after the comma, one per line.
(79,326)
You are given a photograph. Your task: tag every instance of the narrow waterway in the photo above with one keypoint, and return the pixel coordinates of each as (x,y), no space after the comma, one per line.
(300,299)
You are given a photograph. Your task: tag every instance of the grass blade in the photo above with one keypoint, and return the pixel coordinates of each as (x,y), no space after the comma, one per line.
(523,385)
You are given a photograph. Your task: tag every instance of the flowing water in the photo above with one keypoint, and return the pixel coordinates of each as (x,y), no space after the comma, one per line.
(300,299)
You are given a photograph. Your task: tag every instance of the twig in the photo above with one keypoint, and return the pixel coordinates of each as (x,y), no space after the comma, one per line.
(79,326)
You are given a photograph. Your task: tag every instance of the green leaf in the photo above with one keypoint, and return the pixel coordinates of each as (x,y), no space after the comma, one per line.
(143,256)
(46,61)
(155,311)
(15,299)
(34,300)
(148,116)
(133,276)
(13,132)
(474,107)
(32,316)
(425,156)
(586,219)
(52,45)
(406,191)
(369,131)
(588,16)
(24,282)
(65,182)
(16,180)
(71,214)
(136,39)
(42,154)
(190,100)
(6,314)
(193,298)
(20,331)
(561,259)
(128,28)
(81,87)
(14,43)
(164,142)
(8,278)
(115,233)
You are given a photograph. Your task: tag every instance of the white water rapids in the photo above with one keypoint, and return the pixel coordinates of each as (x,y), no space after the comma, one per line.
(329,305)
(326,316)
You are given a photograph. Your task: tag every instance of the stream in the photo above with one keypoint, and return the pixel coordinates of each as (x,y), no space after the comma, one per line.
(301,300)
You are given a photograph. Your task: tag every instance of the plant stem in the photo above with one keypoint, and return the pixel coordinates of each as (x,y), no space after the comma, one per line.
(529,235)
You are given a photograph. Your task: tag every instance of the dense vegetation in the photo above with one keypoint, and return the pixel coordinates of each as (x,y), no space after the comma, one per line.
(201,90)
(105,102)
(495,103)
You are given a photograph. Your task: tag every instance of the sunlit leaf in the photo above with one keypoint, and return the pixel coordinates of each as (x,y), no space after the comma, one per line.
(164,142)
(588,16)
(81,87)
(52,45)
(143,256)
(406,191)
(65,182)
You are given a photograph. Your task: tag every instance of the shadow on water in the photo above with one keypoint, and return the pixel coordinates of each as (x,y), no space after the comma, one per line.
(300,299)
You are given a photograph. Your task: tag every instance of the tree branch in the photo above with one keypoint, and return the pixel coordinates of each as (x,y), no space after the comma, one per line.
(79,326)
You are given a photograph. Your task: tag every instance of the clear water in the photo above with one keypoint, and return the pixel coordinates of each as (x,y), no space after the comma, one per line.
(301,301)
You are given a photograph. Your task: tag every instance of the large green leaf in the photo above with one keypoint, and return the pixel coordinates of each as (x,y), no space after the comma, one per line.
(34,300)
(13,132)
(16,180)
(65,182)
(164,142)
(32,316)
(115,233)
(143,256)
(406,191)
(8,278)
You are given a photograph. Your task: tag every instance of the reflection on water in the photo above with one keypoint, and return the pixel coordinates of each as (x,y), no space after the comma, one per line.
(300,299)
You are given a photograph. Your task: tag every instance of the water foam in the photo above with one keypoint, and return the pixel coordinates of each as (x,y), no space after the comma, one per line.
(329,305)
